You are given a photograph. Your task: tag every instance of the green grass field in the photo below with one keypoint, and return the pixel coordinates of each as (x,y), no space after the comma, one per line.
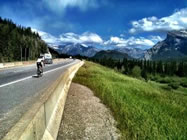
(143,110)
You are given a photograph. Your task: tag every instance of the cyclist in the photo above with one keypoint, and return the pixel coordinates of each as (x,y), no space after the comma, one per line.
(40,63)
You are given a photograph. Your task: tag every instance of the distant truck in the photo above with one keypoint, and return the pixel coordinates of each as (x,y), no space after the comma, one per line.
(47,58)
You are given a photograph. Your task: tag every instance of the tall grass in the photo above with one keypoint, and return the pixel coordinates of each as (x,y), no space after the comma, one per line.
(142,110)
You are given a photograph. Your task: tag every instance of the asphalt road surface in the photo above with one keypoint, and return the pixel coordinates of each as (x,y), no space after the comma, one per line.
(19,89)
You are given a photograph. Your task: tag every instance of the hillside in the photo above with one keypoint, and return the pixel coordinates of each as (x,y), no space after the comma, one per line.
(111,54)
(173,47)
(19,43)
(143,110)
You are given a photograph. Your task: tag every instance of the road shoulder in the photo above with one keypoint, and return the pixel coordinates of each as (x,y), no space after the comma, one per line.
(85,117)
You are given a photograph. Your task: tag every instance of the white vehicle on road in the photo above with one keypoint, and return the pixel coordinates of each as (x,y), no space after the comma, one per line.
(48,58)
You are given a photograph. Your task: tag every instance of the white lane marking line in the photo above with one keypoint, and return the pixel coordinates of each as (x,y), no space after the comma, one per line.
(58,68)
(10,83)
(13,82)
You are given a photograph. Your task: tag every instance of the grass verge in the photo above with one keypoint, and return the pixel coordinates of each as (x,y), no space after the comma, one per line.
(142,110)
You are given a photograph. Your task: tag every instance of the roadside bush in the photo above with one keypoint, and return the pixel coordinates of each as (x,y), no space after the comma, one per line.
(174,85)
(169,88)
(183,84)
(165,80)
(136,72)
(155,77)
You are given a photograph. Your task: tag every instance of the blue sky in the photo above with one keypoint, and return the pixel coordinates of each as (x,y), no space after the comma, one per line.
(118,23)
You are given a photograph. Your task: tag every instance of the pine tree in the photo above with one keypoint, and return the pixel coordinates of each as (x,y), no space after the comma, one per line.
(14,39)
(185,69)
(144,74)
(173,68)
(166,69)
(180,72)
(154,67)
(160,67)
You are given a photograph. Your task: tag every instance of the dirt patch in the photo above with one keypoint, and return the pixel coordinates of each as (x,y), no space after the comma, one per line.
(85,117)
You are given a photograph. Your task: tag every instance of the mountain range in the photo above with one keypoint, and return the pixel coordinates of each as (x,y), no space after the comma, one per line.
(173,47)
(76,49)
(90,51)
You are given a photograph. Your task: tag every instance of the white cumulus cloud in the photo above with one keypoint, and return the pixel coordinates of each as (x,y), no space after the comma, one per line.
(94,39)
(140,42)
(176,21)
(85,38)
(88,37)
(48,38)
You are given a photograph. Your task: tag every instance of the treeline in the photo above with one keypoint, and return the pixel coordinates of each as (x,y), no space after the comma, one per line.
(18,43)
(143,68)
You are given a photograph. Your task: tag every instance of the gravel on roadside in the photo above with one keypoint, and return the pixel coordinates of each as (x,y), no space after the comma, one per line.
(86,118)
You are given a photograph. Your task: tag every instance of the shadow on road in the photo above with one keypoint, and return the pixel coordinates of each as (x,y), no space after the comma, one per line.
(35,76)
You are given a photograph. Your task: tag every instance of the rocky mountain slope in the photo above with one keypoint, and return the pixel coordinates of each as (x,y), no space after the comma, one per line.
(173,47)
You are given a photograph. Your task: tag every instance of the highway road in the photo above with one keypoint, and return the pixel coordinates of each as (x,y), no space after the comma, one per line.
(19,89)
